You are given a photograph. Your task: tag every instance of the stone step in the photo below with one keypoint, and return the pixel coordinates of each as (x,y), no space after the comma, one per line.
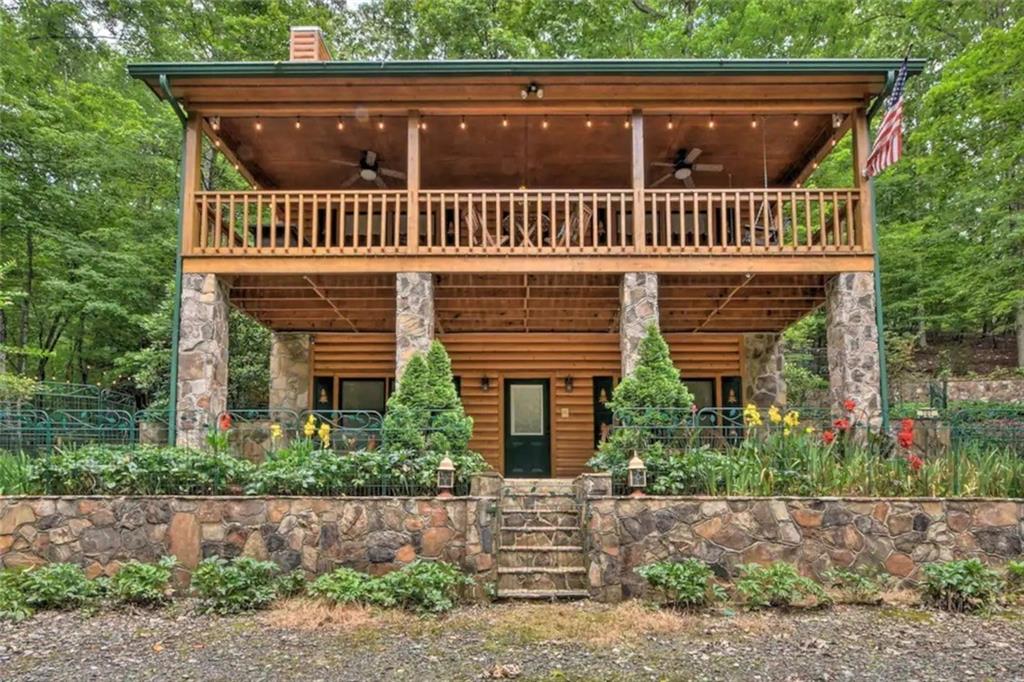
(542,569)
(541,517)
(547,580)
(538,485)
(543,594)
(529,501)
(551,556)
(539,536)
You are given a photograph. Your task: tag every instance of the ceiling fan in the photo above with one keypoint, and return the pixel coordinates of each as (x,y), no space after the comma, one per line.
(370,170)
(684,166)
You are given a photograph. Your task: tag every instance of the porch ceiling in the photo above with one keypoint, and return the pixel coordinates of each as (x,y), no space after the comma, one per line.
(528,302)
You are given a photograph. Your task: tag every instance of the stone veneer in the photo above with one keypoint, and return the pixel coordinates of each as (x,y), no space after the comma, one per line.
(311,533)
(639,309)
(852,338)
(414,316)
(893,535)
(763,382)
(202,356)
(290,357)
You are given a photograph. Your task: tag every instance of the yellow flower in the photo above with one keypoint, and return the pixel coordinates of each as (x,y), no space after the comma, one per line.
(325,434)
(774,414)
(809,429)
(310,428)
(751,415)
(785,432)
(792,418)
(275,432)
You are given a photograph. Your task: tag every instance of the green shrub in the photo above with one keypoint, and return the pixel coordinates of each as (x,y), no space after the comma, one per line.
(143,584)
(963,585)
(57,586)
(1015,577)
(139,470)
(856,587)
(290,584)
(687,584)
(13,605)
(777,585)
(650,401)
(422,586)
(241,584)
(15,474)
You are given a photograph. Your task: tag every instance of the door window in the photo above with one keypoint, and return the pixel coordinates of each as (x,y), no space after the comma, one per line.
(526,409)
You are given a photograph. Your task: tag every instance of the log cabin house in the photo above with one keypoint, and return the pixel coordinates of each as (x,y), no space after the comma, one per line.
(535,216)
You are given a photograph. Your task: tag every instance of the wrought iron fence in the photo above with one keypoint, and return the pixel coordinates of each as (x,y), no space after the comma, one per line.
(982,426)
(56,395)
(32,430)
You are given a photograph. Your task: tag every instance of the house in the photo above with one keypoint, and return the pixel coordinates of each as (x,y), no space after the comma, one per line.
(535,216)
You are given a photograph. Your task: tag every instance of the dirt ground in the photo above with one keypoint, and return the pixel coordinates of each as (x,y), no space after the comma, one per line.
(302,640)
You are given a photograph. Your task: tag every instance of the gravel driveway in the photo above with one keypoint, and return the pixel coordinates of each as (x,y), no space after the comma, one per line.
(307,641)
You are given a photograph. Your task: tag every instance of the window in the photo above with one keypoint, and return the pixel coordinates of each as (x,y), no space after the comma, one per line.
(364,394)
(527,409)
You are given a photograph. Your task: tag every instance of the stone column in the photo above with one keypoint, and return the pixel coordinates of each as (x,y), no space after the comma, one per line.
(853,367)
(639,309)
(414,316)
(202,356)
(290,360)
(763,382)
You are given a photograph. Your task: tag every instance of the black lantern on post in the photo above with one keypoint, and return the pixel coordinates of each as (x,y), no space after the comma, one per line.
(637,475)
(445,477)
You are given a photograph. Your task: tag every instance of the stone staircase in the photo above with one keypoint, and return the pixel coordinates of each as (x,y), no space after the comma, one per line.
(540,552)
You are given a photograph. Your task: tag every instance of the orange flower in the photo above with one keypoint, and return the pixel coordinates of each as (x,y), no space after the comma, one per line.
(915,463)
(849,405)
(828,436)
(225,422)
(842,423)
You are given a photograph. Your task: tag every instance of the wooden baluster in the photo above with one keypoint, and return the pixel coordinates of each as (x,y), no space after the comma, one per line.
(315,222)
(231,224)
(778,216)
(204,224)
(723,224)
(430,219)
(553,221)
(245,221)
(807,216)
(593,220)
(849,219)
(259,223)
(653,198)
(218,220)
(383,236)
(752,233)
(369,220)
(457,207)
(355,220)
(328,221)
(823,235)
(736,229)
(287,221)
(836,240)
(793,199)
(273,222)
(342,241)
(300,230)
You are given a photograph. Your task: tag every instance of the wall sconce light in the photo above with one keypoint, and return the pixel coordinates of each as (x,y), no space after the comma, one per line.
(532,89)
(485,383)
(568,384)
(445,477)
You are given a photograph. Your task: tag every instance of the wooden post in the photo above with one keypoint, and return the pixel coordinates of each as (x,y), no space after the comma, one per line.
(192,182)
(861,150)
(637,127)
(412,174)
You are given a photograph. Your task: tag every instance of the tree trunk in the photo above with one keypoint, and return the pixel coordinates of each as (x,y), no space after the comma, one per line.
(25,301)
(922,330)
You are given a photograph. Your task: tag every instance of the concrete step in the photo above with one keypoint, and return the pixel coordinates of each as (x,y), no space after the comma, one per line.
(543,594)
(539,536)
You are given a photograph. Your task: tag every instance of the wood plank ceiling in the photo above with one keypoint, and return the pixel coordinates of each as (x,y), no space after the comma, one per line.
(528,303)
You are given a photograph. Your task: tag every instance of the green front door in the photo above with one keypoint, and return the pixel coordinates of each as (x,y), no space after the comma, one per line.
(527,429)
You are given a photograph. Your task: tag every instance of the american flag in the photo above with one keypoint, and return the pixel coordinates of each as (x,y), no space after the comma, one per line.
(889,144)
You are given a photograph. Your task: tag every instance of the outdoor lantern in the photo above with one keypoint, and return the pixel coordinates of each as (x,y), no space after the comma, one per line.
(485,383)
(568,384)
(637,475)
(445,477)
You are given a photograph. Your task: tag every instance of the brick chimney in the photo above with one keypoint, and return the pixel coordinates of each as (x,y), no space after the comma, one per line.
(307,45)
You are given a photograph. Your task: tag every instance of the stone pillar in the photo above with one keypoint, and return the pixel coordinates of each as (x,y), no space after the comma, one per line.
(853,367)
(639,309)
(290,360)
(763,382)
(414,316)
(202,356)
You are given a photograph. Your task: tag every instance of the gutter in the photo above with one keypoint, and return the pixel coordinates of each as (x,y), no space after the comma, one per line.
(883,364)
(172,406)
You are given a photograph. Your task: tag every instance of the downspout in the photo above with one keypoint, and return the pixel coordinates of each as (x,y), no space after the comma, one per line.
(172,407)
(883,365)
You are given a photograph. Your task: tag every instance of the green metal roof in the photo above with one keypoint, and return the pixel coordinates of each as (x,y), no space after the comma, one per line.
(541,67)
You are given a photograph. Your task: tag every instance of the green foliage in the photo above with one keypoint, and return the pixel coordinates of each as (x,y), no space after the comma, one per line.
(233,586)
(425,413)
(1015,577)
(15,388)
(652,398)
(777,585)
(290,584)
(860,586)
(15,474)
(802,384)
(139,470)
(963,585)
(686,584)
(142,584)
(57,586)
(13,606)
(422,586)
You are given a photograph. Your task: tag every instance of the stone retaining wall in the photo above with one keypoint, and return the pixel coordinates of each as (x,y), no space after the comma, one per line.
(315,534)
(893,535)
(982,390)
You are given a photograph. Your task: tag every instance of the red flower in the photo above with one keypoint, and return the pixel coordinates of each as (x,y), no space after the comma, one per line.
(849,405)
(224,422)
(842,424)
(828,436)
(915,462)
(907,425)
(905,439)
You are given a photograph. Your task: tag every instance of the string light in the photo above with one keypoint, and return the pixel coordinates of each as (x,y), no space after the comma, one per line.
(341,124)
(833,142)
(215,123)
(423,124)
(671,124)
(236,166)
(796,121)
(814,164)
(462,123)
(259,124)
(590,124)
(753,121)
(380,123)
(504,121)
(298,122)
(544,122)
(711,121)
(216,142)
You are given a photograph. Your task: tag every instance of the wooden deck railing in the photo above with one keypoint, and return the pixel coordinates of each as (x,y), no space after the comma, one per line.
(528,222)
